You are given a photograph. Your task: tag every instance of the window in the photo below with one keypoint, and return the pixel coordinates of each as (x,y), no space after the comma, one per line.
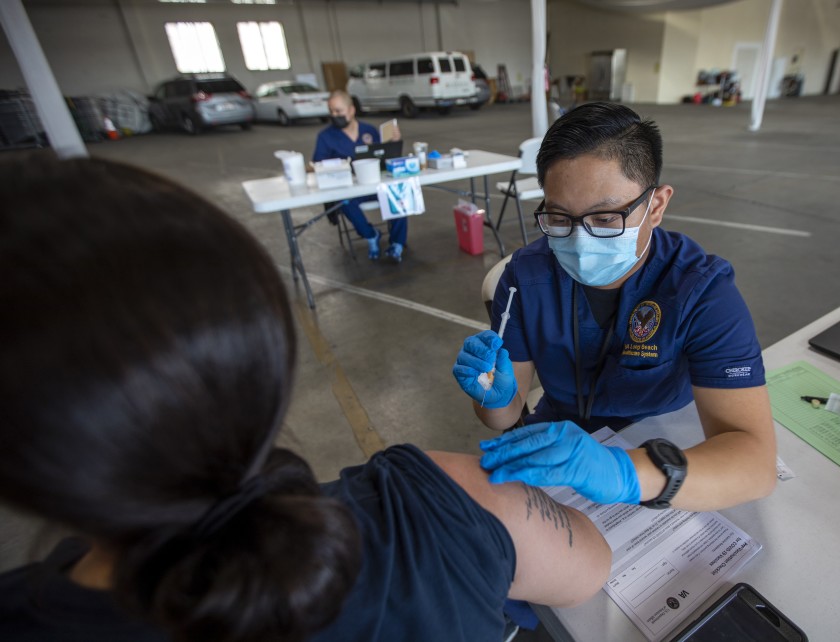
(180,88)
(425,66)
(195,47)
(263,45)
(265,91)
(459,63)
(376,70)
(445,65)
(219,86)
(299,88)
(401,68)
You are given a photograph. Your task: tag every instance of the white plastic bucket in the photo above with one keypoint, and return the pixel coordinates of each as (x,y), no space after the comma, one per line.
(293,166)
(367,170)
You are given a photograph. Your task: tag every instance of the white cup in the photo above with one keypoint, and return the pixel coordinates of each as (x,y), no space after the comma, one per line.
(420,150)
(367,170)
(293,166)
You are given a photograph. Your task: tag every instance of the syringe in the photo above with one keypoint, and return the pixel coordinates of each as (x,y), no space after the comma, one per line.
(485,379)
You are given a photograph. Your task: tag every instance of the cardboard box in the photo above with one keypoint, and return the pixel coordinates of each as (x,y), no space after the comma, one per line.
(403,166)
(333,172)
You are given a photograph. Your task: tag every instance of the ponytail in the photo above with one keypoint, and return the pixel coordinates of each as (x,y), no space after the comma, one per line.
(277,569)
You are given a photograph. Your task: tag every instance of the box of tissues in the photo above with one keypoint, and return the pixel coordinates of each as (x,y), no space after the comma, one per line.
(440,161)
(403,166)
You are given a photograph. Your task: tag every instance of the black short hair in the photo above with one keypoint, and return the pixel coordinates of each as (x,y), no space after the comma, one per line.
(148,357)
(608,130)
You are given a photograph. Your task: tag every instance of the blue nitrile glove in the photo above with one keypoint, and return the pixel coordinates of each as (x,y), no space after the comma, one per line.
(480,353)
(562,454)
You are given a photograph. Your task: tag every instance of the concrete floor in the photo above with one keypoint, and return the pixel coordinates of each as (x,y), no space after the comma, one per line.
(374,369)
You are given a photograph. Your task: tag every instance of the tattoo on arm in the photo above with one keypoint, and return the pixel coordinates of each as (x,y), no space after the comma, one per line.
(550,511)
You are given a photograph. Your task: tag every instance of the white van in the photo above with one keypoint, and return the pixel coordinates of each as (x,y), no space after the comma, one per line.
(434,79)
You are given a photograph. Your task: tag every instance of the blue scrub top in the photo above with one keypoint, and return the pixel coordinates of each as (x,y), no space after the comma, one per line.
(332,142)
(680,322)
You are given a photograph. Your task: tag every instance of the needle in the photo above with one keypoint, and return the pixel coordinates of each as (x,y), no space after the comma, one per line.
(486,378)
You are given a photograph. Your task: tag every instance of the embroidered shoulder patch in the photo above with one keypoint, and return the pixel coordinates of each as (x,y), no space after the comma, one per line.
(644,321)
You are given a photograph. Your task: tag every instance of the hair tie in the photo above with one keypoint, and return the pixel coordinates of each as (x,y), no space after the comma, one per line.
(226,509)
(253,486)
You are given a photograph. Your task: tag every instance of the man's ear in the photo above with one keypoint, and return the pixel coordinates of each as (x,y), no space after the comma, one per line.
(661,198)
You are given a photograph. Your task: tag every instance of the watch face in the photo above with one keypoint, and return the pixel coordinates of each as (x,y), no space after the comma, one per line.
(670,453)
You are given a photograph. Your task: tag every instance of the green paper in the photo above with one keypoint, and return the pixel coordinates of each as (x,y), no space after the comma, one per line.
(816,426)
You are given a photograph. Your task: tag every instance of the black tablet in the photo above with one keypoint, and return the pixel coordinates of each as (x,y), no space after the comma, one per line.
(741,615)
(828,341)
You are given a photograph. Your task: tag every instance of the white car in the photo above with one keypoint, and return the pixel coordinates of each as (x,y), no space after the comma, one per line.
(285,101)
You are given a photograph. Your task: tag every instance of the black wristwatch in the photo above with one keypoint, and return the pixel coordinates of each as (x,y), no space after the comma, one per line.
(672,462)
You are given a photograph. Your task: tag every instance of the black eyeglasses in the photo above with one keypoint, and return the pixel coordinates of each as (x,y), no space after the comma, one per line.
(599,224)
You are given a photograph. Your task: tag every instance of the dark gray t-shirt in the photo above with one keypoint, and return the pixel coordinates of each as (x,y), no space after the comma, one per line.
(437,566)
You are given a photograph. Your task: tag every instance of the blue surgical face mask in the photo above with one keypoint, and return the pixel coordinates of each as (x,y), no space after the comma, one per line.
(598,261)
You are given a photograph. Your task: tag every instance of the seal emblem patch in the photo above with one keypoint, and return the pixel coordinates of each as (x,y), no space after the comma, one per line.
(644,321)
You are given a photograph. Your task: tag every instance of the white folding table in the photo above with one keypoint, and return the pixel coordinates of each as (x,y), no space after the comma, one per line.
(798,524)
(270,195)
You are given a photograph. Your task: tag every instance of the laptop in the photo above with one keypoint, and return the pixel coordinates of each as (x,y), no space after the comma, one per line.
(828,341)
(391,149)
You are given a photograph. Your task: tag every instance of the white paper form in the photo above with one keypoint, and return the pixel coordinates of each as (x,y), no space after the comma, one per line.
(666,563)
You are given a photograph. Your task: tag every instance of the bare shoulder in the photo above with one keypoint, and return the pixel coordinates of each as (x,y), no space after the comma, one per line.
(466,471)
(562,559)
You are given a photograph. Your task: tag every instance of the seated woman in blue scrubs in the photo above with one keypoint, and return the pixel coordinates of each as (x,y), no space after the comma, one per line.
(148,359)
(339,140)
(620,320)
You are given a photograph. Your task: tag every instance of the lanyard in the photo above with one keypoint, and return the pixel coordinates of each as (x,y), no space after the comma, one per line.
(585,405)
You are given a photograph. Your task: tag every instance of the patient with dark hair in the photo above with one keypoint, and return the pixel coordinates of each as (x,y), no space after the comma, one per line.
(148,356)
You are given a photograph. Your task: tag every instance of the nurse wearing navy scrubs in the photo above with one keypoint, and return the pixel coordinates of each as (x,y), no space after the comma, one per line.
(620,320)
(340,140)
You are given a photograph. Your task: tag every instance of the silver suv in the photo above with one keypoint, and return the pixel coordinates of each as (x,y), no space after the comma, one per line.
(200,101)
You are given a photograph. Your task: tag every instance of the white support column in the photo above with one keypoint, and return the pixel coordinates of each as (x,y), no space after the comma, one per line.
(764,66)
(539,108)
(55,116)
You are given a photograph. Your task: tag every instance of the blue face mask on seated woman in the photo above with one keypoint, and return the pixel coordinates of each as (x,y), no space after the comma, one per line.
(598,261)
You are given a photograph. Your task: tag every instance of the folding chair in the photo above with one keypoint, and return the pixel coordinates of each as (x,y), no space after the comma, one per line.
(491,280)
(524,189)
(345,231)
